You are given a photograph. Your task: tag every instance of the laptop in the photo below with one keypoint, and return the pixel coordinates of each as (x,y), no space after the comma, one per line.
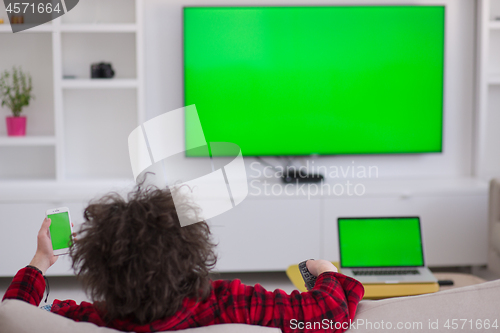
(378,250)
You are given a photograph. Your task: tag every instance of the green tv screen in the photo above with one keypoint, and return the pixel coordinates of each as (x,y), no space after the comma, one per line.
(316,80)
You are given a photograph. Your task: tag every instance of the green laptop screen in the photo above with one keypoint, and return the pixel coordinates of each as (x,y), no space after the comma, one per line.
(316,80)
(380,242)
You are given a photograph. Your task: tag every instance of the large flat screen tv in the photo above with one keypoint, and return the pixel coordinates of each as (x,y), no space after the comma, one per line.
(317,80)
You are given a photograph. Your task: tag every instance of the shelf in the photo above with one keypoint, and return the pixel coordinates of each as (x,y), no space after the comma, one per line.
(27,141)
(77,28)
(495,25)
(68,190)
(5,28)
(131,27)
(99,83)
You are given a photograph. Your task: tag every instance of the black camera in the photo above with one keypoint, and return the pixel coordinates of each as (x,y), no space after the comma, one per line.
(101,70)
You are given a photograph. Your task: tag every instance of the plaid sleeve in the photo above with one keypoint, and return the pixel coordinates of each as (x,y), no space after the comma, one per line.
(28,285)
(333,299)
(79,312)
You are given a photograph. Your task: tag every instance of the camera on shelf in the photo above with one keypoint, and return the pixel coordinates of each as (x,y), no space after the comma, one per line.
(101,70)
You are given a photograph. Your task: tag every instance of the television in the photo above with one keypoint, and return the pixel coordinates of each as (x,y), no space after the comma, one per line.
(320,80)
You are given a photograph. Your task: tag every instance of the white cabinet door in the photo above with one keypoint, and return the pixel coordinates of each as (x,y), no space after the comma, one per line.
(267,234)
(19,226)
(454,228)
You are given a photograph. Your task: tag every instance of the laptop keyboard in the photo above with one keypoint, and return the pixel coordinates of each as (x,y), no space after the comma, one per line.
(387,272)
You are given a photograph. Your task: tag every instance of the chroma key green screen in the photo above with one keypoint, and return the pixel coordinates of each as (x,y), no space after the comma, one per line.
(60,230)
(380,242)
(317,80)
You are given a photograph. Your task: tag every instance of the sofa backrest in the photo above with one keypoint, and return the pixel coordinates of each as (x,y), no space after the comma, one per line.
(469,309)
(20,317)
(477,304)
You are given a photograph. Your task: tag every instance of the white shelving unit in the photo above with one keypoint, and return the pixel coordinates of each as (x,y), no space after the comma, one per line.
(84,119)
(75,148)
(488,90)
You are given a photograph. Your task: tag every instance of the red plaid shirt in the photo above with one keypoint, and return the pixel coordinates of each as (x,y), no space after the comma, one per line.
(333,300)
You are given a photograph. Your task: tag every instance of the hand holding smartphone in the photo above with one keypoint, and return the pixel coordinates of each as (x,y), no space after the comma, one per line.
(60,229)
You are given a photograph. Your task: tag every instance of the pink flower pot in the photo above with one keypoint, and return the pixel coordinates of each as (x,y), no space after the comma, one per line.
(16,126)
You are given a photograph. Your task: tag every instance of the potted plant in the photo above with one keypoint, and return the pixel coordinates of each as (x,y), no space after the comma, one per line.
(15,93)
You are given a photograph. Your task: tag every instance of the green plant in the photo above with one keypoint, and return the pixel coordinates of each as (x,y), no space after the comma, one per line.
(15,90)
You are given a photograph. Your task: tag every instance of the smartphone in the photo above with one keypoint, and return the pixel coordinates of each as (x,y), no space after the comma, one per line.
(60,230)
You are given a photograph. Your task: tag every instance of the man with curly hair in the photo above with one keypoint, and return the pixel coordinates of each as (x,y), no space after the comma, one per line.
(146,273)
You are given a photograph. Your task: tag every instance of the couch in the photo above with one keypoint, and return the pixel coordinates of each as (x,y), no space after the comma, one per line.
(461,308)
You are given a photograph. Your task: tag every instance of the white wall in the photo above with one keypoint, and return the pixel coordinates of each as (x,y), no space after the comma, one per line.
(164,82)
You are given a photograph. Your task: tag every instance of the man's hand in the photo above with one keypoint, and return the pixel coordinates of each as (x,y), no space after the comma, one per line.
(44,256)
(316,267)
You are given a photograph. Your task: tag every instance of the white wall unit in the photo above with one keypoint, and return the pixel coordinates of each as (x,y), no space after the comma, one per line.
(85,125)
(76,142)
(80,120)
(27,161)
(454,227)
(487,161)
(90,119)
(25,219)
(22,222)
(267,235)
(449,174)
(22,212)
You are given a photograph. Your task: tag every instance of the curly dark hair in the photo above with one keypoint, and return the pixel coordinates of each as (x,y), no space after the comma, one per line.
(136,261)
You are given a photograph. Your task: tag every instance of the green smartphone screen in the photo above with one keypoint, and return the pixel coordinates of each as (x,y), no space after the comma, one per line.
(380,242)
(60,230)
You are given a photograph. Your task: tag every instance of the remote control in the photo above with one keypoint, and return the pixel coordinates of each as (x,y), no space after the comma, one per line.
(309,279)
(445,282)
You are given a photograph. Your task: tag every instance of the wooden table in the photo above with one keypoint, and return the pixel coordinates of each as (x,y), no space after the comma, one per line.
(373,291)
(459,279)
